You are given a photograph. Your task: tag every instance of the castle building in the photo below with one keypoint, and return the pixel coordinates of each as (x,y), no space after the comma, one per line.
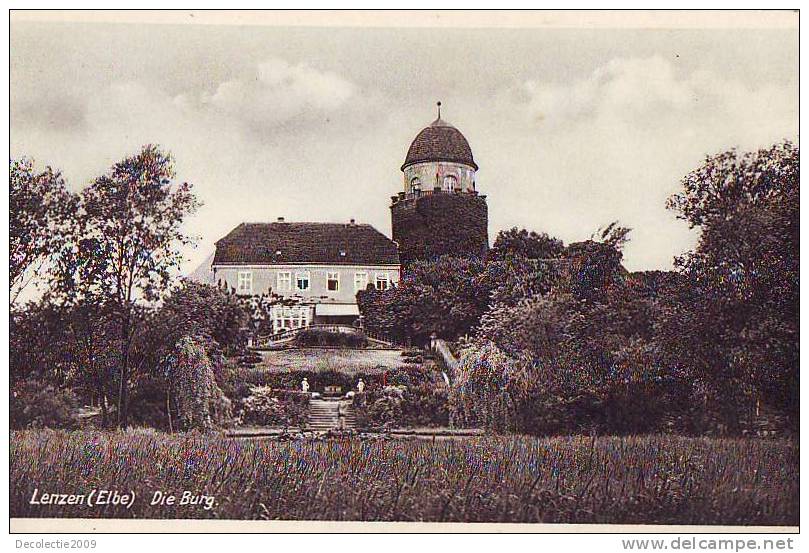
(318,268)
(440,210)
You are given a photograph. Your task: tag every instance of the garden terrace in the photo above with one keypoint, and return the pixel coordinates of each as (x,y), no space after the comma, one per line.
(348,361)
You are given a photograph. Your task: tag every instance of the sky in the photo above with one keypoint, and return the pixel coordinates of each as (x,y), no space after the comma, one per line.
(572,128)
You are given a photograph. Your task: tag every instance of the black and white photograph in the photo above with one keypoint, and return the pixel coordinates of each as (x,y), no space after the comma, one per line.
(404,271)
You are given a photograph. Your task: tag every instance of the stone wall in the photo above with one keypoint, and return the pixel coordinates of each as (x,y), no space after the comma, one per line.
(438,224)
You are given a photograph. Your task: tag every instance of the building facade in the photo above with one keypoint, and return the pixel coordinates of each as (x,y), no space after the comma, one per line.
(316,268)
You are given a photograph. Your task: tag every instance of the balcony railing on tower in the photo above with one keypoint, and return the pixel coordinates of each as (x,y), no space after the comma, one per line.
(416,194)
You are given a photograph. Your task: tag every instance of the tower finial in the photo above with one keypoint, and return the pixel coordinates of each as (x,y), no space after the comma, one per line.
(439,108)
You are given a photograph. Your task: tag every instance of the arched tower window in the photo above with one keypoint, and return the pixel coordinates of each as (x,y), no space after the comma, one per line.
(450,182)
(415,184)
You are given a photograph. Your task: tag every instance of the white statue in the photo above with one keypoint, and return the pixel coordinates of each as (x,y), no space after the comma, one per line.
(304,385)
(360,386)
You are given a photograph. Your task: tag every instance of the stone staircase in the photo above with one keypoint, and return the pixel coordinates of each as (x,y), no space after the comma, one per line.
(331,415)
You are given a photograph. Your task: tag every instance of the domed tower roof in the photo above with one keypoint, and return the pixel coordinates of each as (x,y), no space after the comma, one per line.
(440,141)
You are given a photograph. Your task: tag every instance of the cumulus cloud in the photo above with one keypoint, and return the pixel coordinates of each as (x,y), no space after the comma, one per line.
(643,92)
(275,93)
(575,137)
(614,144)
(45,109)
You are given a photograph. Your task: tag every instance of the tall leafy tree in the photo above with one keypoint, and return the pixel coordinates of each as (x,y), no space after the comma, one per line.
(41,210)
(742,324)
(127,245)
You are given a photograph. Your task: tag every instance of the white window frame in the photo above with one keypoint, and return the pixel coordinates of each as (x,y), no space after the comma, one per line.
(360,277)
(284,281)
(336,275)
(450,182)
(244,282)
(289,318)
(299,275)
(382,277)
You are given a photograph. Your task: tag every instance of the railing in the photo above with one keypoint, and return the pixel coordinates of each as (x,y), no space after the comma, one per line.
(290,333)
(405,196)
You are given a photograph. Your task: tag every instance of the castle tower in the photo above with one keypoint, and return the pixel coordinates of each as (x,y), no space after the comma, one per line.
(440,211)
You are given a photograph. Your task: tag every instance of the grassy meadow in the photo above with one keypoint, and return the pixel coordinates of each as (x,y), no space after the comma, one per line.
(650,479)
(349,361)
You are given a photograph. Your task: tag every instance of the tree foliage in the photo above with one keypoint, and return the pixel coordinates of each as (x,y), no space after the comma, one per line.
(125,247)
(740,327)
(198,400)
(40,213)
(527,244)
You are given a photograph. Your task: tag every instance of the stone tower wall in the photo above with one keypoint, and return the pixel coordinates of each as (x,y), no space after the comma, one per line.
(437,224)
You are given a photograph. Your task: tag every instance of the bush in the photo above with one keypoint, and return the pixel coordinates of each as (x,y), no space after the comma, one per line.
(198,400)
(35,404)
(147,404)
(320,337)
(267,407)
(240,379)
(403,406)
(385,407)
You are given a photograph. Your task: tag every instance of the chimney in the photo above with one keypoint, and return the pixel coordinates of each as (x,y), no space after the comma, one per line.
(352,221)
(280,219)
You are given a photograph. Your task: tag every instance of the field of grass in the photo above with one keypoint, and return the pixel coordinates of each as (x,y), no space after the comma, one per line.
(654,479)
(369,361)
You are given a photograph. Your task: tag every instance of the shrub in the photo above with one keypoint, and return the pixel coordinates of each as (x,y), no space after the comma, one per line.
(240,379)
(148,405)
(385,409)
(35,404)
(199,402)
(321,337)
(267,407)
(403,406)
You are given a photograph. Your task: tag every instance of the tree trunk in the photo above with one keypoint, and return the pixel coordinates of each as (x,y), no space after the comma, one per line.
(168,410)
(123,395)
(102,401)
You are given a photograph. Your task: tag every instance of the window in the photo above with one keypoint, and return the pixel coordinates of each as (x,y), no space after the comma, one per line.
(286,318)
(284,281)
(245,282)
(332,281)
(382,281)
(302,281)
(360,281)
(450,182)
(415,184)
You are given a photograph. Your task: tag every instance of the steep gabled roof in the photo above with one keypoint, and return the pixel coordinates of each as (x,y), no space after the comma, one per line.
(326,243)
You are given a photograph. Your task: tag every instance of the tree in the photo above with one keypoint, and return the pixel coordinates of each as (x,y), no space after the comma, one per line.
(200,403)
(592,268)
(216,318)
(522,243)
(40,211)
(741,328)
(446,297)
(126,245)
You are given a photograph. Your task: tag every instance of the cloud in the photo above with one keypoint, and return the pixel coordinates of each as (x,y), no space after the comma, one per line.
(47,109)
(642,93)
(277,92)
(615,142)
(592,141)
